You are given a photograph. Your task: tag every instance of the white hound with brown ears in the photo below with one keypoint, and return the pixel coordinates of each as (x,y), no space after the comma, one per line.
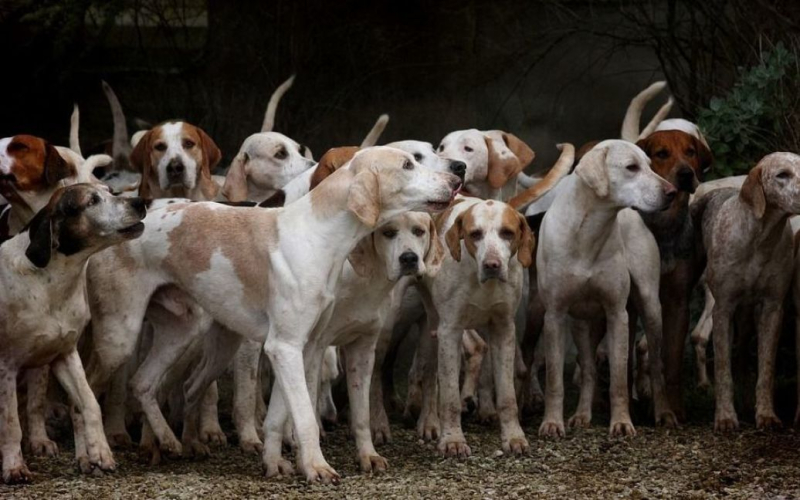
(43,311)
(587,269)
(247,266)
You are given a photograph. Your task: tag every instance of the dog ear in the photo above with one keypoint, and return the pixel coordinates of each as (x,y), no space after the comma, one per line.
(526,243)
(235,186)
(363,258)
(55,166)
(752,192)
(435,252)
(211,158)
(520,149)
(704,155)
(330,162)
(364,199)
(592,171)
(41,231)
(503,163)
(453,237)
(140,160)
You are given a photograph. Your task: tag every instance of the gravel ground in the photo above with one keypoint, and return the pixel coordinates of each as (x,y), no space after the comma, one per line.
(691,462)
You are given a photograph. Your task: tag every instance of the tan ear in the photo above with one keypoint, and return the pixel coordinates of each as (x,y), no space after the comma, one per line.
(211,158)
(140,160)
(363,258)
(526,242)
(453,237)
(752,192)
(435,253)
(521,150)
(705,156)
(592,170)
(364,199)
(330,162)
(55,166)
(235,186)
(503,163)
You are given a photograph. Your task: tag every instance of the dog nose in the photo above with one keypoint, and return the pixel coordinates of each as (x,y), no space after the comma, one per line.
(409,260)
(670,192)
(686,179)
(459,168)
(175,168)
(491,265)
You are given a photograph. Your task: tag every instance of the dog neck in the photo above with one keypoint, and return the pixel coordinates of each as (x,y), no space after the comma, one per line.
(765,231)
(673,230)
(589,220)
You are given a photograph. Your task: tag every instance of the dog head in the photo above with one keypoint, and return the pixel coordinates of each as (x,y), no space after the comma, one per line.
(407,245)
(175,155)
(493,233)
(774,182)
(30,171)
(678,157)
(83,218)
(388,182)
(492,158)
(266,162)
(425,154)
(619,172)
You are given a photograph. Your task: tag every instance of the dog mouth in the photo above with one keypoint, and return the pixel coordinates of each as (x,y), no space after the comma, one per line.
(438,206)
(134,230)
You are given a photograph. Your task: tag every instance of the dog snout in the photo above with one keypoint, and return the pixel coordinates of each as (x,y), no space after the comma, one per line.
(492,268)
(454,182)
(686,179)
(409,261)
(459,168)
(175,168)
(669,192)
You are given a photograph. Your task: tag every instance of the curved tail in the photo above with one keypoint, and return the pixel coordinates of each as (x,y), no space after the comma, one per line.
(662,113)
(372,137)
(561,168)
(633,116)
(272,106)
(120,147)
(74,128)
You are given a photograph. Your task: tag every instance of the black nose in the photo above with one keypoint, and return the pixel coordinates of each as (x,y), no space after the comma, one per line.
(409,260)
(686,179)
(139,205)
(459,168)
(175,168)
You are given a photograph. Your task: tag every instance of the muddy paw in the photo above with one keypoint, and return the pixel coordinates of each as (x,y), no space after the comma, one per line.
(322,473)
(726,423)
(580,421)
(213,437)
(454,448)
(428,429)
(768,421)
(667,419)
(516,446)
(251,447)
(552,429)
(101,458)
(119,440)
(171,447)
(196,449)
(43,447)
(17,475)
(487,415)
(381,435)
(278,468)
(621,429)
(149,453)
(373,463)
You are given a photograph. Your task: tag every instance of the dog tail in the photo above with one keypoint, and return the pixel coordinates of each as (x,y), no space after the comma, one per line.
(658,118)
(633,117)
(372,138)
(74,128)
(561,168)
(272,106)
(120,147)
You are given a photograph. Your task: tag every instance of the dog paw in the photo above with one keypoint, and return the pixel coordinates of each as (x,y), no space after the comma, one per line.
(580,421)
(213,437)
(623,428)
(428,427)
(171,447)
(43,447)
(17,475)
(196,449)
(552,429)
(373,463)
(516,446)
(667,419)
(119,440)
(321,473)
(251,446)
(278,468)
(100,458)
(454,448)
(768,421)
(468,405)
(149,454)
(381,435)
(726,423)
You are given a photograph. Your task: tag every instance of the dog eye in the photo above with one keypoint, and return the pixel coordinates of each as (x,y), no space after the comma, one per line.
(663,154)
(188,144)
(441,147)
(418,231)
(417,157)
(691,152)
(390,233)
(94,200)
(281,154)
(507,234)
(476,235)
(160,146)
(632,167)
(468,149)
(408,165)
(784,174)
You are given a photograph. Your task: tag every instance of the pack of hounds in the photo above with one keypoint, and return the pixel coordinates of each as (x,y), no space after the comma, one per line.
(137,278)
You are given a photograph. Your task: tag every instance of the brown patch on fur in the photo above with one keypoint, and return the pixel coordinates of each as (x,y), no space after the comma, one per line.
(672,150)
(523,243)
(441,218)
(752,193)
(330,162)
(36,167)
(502,169)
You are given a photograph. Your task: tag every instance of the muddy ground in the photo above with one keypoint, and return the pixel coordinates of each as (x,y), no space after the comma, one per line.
(691,462)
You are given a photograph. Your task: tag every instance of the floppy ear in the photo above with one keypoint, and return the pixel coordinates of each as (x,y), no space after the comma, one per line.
(330,162)
(752,192)
(521,150)
(364,199)
(453,237)
(435,253)
(55,166)
(235,187)
(645,144)
(592,171)
(705,156)
(363,258)
(503,163)
(42,236)
(140,160)
(526,242)
(211,157)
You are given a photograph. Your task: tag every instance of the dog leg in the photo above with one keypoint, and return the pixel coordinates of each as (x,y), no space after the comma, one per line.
(725,418)
(245,395)
(474,349)
(114,409)
(700,336)
(378,420)
(452,442)
(503,340)
(359,357)
(69,372)
(210,430)
(428,424)
(14,468)
(617,334)
(487,412)
(555,330)
(38,441)
(582,418)
(274,424)
(769,325)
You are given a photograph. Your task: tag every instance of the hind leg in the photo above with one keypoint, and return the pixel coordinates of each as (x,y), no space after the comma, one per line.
(38,441)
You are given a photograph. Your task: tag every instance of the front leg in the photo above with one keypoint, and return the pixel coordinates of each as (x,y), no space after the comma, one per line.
(725,415)
(452,442)
(360,359)
(69,372)
(36,381)
(14,468)
(588,374)
(555,330)
(617,332)
(274,424)
(503,340)
(769,324)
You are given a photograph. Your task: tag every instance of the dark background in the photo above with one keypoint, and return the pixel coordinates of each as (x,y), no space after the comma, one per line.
(548,71)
